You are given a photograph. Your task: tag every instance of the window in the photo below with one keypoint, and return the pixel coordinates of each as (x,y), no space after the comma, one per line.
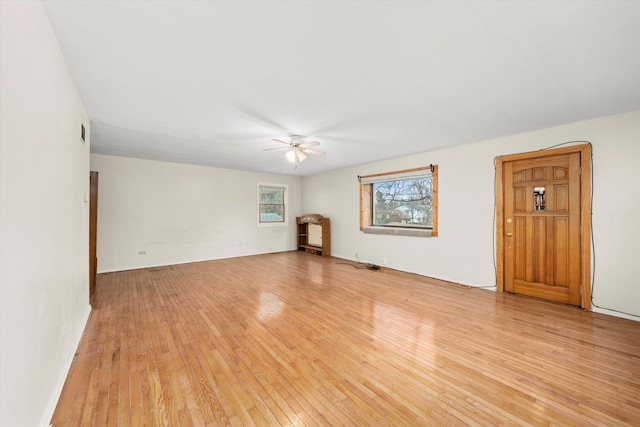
(272,204)
(400,203)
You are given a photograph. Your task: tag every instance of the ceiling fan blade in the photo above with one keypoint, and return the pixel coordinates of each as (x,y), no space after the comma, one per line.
(309,144)
(319,153)
(281,142)
(276,149)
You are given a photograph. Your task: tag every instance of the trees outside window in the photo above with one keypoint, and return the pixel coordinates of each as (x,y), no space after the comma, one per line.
(403,203)
(272,204)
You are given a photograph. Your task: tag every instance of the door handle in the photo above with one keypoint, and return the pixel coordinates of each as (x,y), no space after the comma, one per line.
(509,234)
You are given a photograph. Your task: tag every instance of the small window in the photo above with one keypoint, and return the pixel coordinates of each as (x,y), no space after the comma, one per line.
(272,204)
(400,203)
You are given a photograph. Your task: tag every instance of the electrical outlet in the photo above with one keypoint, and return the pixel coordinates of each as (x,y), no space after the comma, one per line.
(383,261)
(142,252)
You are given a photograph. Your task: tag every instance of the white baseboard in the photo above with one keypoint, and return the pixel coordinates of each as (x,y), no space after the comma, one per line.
(45,422)
(615,313)
(140,267)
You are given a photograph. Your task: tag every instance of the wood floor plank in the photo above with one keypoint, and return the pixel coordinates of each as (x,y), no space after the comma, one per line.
(296,339)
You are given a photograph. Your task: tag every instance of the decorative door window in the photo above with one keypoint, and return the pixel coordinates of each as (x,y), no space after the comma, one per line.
(538,198)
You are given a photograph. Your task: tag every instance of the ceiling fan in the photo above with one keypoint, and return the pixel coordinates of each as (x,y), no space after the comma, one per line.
(296,148)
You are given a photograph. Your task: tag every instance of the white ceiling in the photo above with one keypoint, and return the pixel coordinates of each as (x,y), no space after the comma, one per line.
(211,83)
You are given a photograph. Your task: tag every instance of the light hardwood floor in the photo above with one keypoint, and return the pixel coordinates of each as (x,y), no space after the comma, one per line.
(297,339)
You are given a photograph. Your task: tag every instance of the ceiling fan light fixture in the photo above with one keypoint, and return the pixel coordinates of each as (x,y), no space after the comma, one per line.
(296,149)
(291,156)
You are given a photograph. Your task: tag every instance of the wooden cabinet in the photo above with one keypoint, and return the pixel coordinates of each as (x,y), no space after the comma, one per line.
(314,234)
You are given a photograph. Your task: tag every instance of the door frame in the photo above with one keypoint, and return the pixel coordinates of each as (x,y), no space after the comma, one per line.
(585,213)
(93,232)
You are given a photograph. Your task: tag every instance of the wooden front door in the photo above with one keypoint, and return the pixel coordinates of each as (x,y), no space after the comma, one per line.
(93,232)
(541,241)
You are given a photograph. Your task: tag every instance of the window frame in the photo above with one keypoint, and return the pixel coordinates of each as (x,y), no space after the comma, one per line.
(366,203)
(285,204)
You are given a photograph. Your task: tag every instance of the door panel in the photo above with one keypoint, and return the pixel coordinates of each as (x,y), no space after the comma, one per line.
(542,246)
(540,260)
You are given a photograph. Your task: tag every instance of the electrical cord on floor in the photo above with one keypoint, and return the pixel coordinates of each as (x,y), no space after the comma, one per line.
(361,265)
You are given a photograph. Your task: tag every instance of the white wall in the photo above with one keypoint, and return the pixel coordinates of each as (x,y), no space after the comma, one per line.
(44,175)
(180,213)
(464,250)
